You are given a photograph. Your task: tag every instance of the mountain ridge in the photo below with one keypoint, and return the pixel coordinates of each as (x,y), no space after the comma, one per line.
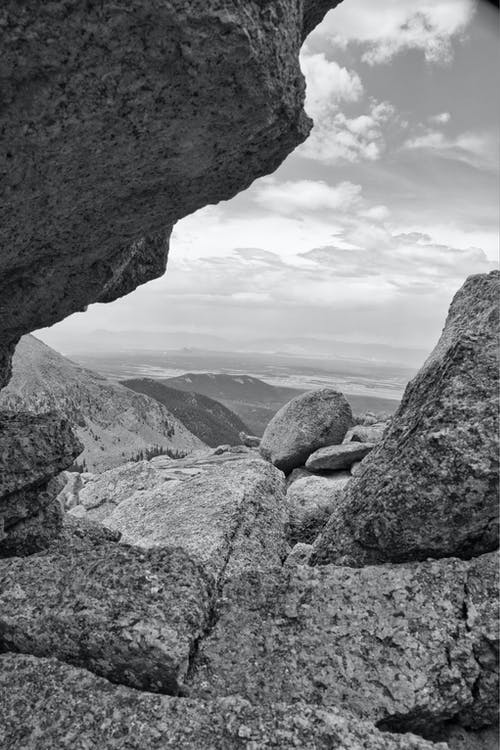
(114,423)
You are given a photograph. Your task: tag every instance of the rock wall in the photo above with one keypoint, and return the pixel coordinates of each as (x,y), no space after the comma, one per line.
(120,118)
(430,488)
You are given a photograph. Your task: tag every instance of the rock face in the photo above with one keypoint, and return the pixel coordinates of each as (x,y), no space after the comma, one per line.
(409,647)
(113,423)
(99,494)
(306,423)
(129,615)
(431,487)
(133,116)
(310,502)
(366,433)
(336,457)
(33,450)
(47,705)
(229,519)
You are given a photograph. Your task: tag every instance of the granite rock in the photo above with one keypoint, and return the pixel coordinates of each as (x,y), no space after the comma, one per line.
(310,502)
(133,616)
(306,423)
(410,647)
(47,705)
(337,457)
(430,489)
(231,518)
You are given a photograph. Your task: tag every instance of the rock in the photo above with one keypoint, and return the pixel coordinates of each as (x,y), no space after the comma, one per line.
(306,423)
(310,502)
(70,485)
(114,424)
(300,473)
(33,450)
(356,468)
(132,616)
(101,493)
(366,434)
(251,441)
(47,705)
(409,647)
(221,449)
(300,554)
(231,518)
(458,738)
(336,457)
(431,487)
(180,105)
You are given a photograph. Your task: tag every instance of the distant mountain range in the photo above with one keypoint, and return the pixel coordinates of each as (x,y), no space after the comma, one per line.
(255,401)
(206,418)
(114,341)
(114,423)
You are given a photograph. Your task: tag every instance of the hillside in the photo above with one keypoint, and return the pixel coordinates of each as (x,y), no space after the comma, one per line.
(114,423)
(206,418)
(255,401)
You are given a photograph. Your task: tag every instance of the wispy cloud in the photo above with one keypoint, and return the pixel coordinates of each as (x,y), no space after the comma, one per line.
(478,150)
(388,27)
(305,195)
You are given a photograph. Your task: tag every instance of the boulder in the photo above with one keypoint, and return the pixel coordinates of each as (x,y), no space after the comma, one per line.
(366,433)
(33,450)
(310,502)
(133,115)
(300,473)
(47,705)
(409,646)
(306,423)
(431,487)
(251,441)
(101,493)
(132,616)
(336,457)
(231,518)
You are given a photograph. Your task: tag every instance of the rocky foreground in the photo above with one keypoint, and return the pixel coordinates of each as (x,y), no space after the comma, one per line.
(217,602)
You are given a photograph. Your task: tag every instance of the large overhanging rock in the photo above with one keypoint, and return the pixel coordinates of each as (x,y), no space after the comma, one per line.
(431,487)
(118,119)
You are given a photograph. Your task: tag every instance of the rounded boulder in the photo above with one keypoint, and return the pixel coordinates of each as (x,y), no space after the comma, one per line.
(308,422)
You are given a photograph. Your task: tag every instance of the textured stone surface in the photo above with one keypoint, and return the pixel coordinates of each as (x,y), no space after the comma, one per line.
(33,450)
(231,518)
(408,646)
(431,487)
(336,457)
(101,493)
(310,502)
(306,423)
(129,615)
(133,115)
(47,705)
(366,433)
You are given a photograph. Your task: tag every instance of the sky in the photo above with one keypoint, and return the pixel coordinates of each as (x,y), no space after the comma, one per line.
(368,228)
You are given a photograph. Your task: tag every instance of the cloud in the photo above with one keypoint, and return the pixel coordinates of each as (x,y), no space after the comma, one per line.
(336,137)
(388,27)
(305,195)
(440,119)
(327,83)
(478,150)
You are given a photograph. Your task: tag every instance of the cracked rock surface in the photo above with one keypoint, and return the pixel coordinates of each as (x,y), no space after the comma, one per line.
(231,518)
(42,702)
(132,616)
(430,489)
(409,647)
(34,449)
(133,115)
